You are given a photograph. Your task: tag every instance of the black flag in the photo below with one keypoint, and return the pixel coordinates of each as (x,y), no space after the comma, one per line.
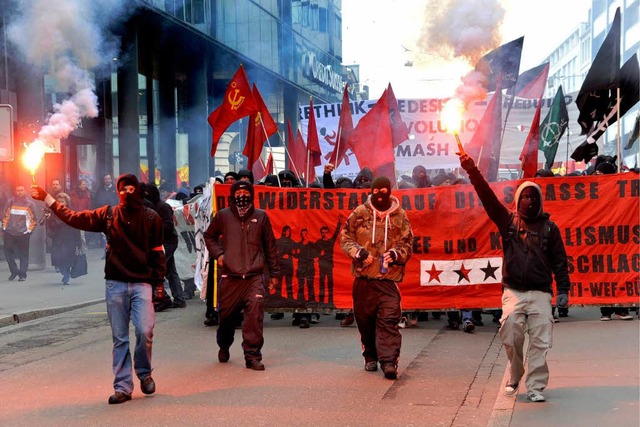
(629,96)
(504,62)
(634,134)
(597,93)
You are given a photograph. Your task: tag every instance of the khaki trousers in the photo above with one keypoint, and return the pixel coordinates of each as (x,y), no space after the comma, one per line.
(527,313)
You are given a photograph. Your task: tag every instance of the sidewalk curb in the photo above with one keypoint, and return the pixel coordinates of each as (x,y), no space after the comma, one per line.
(38,314)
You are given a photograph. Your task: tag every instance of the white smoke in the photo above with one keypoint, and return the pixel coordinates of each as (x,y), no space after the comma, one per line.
(465,29)
(65,38)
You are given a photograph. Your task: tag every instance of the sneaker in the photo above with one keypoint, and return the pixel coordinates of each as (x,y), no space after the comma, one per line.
(315,318)
(118,397)
(625,316)
(511,389)
(13,276)
(605,318)
(390,371)
(304,323)
(256,365)
(179,304)
(534,396)
(468,326)
(147,385)
(555,319)
(223,356)
(453,326)
(403,323)
(21,279)
(371,366)
(348,320)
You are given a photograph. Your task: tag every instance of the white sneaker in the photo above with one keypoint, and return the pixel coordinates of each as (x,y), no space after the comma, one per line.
(534,396)
(605,318)
(511,389)
(403,323)
(623,316)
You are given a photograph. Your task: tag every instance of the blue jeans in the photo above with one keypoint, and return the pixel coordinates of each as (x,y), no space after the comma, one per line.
(130,301)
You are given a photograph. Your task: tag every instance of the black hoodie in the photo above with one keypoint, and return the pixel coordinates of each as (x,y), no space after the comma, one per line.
(527,264)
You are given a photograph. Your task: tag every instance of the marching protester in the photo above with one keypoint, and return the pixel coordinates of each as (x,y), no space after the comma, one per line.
(170,243)
(18,223)
(66,240)
(243,260)
(134,263)
(378,238)
(533,250)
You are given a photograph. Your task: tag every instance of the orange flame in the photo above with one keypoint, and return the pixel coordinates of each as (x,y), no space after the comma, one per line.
(33,155)
(452,113)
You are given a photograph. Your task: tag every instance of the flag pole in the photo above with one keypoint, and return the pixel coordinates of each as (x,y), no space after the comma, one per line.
(618,135)
(264,129)
(308,161)
(337,152)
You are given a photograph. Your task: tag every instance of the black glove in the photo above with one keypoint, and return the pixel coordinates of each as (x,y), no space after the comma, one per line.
(393,254)
(362,255)
(562,300)
(466,161)
(38,193)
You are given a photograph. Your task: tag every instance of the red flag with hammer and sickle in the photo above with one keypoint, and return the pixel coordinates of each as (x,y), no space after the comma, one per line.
(238,102)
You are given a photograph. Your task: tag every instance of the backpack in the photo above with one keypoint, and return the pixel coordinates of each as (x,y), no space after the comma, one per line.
(546,231)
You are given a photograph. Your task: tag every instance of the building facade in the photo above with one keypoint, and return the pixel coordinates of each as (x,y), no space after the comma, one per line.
(175,60)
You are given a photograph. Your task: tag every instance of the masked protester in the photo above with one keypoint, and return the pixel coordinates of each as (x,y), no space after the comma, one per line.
(533,250)
(134,262)
(378,238)
(240,239)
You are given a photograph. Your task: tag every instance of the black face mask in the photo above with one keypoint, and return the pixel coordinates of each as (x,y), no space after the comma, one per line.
(128,200)
(381,201)
(243,201)
(529,205)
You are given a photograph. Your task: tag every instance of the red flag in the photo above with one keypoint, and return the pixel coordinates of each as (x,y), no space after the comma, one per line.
(297,151)
(256,134)
(238,102)
(345,127)
(269,167)
(399,131)
(313,145)
(258,170)
(485,144)
(531,83)
(529,155)
(371,140)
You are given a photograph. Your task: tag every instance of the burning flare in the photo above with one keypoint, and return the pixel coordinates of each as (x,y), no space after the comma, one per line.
(451,116)
(33,155)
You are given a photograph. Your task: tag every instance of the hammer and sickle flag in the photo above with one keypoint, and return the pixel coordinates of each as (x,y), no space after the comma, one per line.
(238,102)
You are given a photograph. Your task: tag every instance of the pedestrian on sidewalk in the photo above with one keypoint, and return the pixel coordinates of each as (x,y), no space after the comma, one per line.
(533,251)
(241,240)
(66,241)
(378,238)
(134,262)
(18,223)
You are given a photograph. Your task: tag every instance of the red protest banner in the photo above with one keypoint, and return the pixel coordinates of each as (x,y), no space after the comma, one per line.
(457,255)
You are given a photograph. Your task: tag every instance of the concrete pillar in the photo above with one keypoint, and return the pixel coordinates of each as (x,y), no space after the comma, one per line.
(196,122)
(128,105)
(166,143)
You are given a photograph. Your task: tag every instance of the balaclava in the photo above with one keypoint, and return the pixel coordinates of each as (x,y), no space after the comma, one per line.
(529,208)
(129,200)
(381,201)
(243,203)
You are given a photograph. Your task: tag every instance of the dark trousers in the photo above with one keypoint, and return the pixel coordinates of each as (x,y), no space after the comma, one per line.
(305,281)
(246,296)
(376,307)
(172,274)
(17,247)
(326,281)
(287,278)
